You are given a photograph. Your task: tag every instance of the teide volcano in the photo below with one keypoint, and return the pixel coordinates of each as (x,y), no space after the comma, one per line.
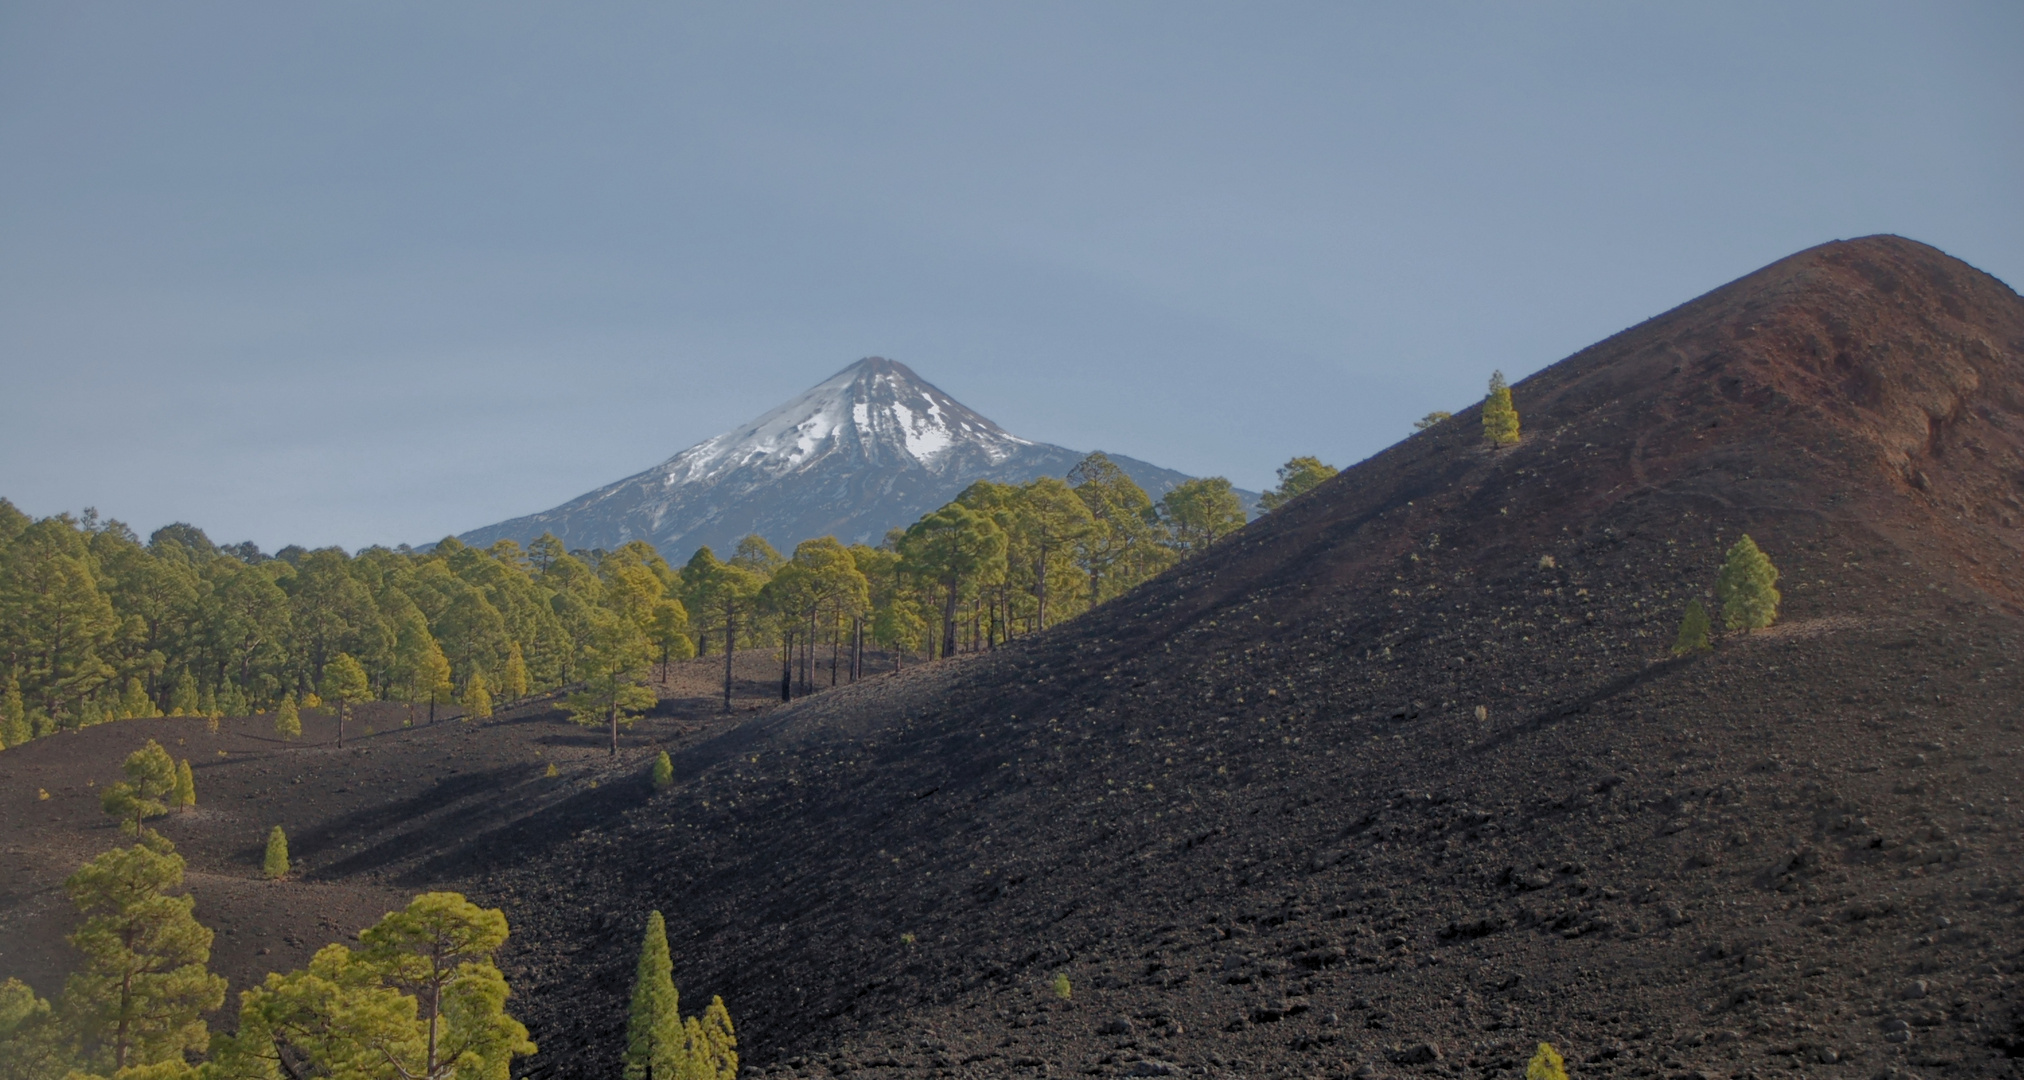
(1253,813)
(869,449)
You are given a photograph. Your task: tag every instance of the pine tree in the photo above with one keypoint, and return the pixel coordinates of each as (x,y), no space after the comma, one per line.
(1748,587)
(32,1043)
(717,1048)
(669,633)
(14,726)
(135,702)
(1546,1064)
(274,865)
(150,781)
(1297,477)
(421,999)
(477,700)
(288,719)
(656,1048)
(1500,416)
(344,684)
(1201,512)
(183,700)
(515,685)
(663,774)
(1693,636)
(185,795)
(140,996)
(615,657)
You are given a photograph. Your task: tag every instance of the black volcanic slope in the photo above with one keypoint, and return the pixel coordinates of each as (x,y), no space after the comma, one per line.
(1253,813)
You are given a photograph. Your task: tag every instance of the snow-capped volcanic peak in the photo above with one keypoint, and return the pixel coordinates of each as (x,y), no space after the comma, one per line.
(869,449)
(875,407)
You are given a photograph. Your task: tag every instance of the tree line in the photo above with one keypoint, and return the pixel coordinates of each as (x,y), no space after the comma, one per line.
(97,625)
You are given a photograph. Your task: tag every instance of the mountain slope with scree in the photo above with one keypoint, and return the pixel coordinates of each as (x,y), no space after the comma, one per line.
(1253,815)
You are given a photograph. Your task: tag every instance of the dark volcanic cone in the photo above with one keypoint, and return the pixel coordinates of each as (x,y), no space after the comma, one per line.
(1401,779)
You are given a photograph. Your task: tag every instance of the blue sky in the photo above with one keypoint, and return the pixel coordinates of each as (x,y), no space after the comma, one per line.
(371,273)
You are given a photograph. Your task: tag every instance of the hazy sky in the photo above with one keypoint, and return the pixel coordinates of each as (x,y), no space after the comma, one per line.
(360,273)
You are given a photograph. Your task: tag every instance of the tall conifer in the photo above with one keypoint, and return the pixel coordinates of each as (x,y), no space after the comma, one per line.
(288,719)
(1748,587)
(1500,415)
(717,1049)
(185,795)
(515,684)
(135,702)
(344,685)
(1693,636)
(477,697)
(140,996)
(150,783)
(183,700)
(657,1048)
(274,864)
(14,727)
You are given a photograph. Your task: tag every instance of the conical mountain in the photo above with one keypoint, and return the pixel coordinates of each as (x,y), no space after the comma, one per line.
(871,448)
(1403,780)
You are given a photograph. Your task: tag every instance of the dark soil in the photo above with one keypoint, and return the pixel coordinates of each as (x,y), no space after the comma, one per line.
(1399,781)
(356,818)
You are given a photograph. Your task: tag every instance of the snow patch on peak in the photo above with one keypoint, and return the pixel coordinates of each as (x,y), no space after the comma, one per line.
(925,432)
(871,404)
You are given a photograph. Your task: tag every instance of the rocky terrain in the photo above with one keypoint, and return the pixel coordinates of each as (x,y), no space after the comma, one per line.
(869,449)
(1253,813)
(1399,781)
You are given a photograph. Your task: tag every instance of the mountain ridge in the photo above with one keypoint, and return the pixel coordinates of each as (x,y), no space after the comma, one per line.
(866,450)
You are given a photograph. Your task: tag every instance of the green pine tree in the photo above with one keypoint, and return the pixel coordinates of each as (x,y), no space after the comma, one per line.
(716,1050)
(288,719)
(421,998)
(1693,636)
(1200,512)
(183,699)
(515,684)
(274,865)
(14,726)
(1297,477)
(656,1048)
(1748,587)
(664,771)
(1500,416)
(344,685)
(185,795)
(140,996)
(150,783)
(135,702)
(477,697)
(32,1043)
